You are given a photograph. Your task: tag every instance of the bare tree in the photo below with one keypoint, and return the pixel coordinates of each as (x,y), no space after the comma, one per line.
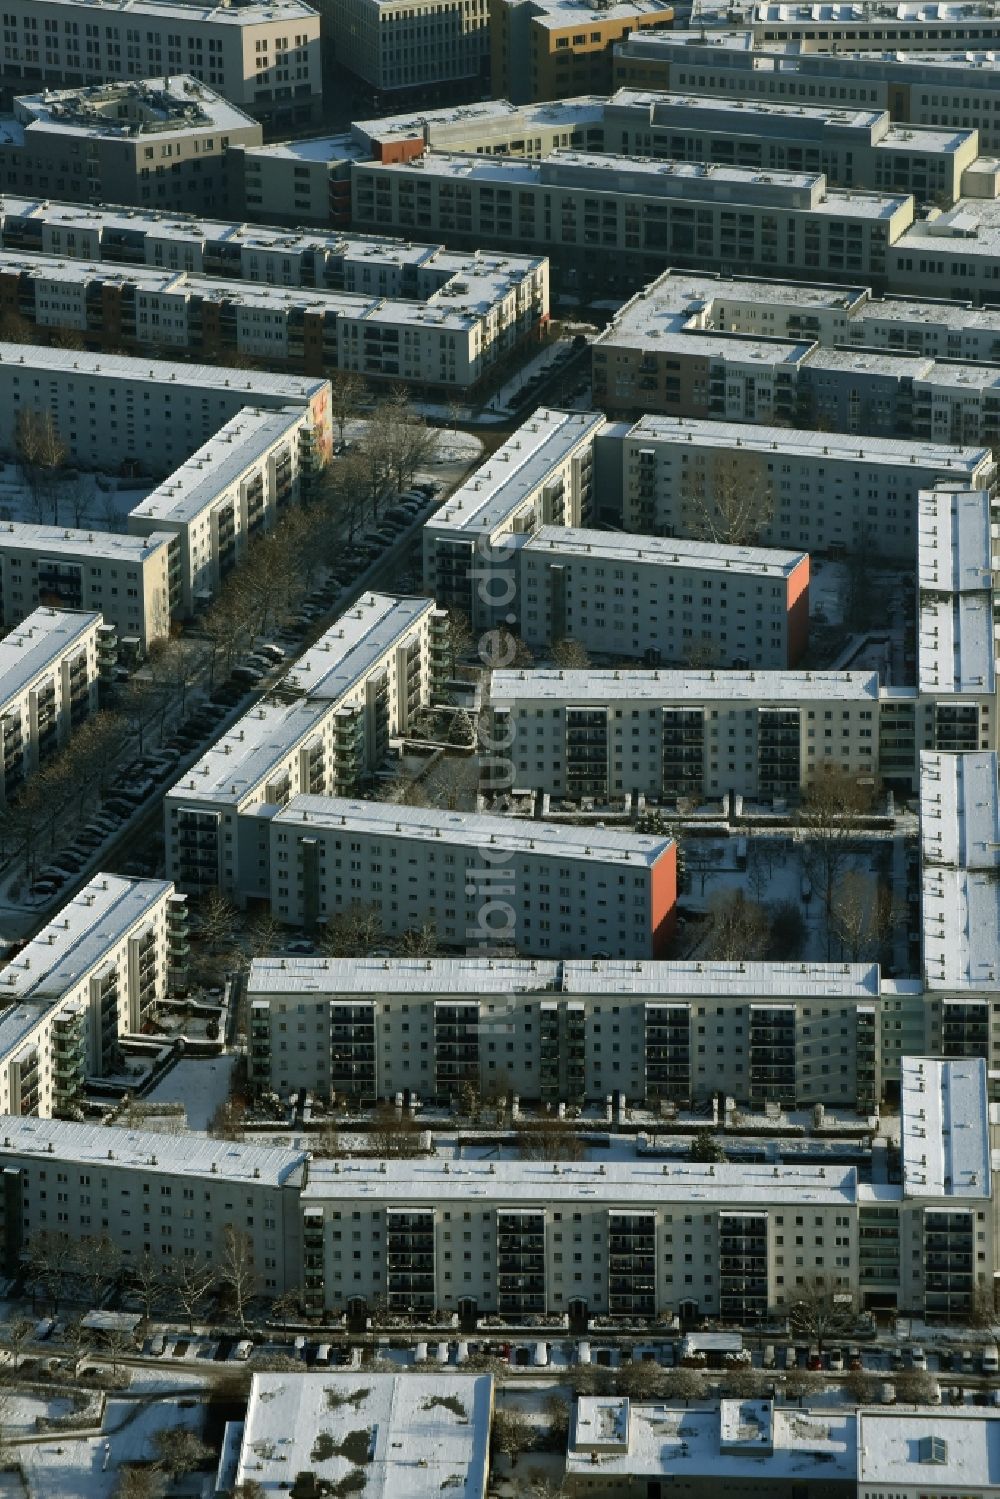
(864,916)
(236,1270)
(351,932)
(347,391)
(136,1482)
(18,1333)
(97,1262)
(190,1281)
(512,1433)
(862,1386)
(823,1310)
(641,1379)
(51,1260)
(148,1281)
(570,655)
(684,1384)
(409,442)
(799,1383)
(419,942)
(915,1387)
(548,1140)
(830,815)
(216,920)
(745,1384)
(394,1133)
(732,502)
(461,637)
(740,929)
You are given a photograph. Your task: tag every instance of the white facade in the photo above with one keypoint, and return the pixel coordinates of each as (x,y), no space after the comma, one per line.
(109,410)
(171,1196)
(482,882)
(94,973)
(263,57)
(328,730)
(602,734)
(666,1035)
(664,600)
(124,578)
(49,670)
(542,475)
(231,489)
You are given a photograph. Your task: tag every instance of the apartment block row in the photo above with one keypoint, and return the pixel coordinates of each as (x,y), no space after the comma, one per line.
(633,1238)
(954,87)
(651,598)
(111,411)
(51,670)
(612,220)
(802,356)
(452,340)
(325,731)
(261,57)
(162,142)
(903,26)
(95,973)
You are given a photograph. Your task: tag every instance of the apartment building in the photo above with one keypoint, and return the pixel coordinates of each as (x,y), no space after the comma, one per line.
(659,599)
(262,57)
(603,734)
(664,1035)
(852,147)
(540,476)
(123,578)
(454,339)
(846,27)
(50,669)
(818,491)
(112,411)
(613,220)
(399,47)
(805,356)
(231,490)
(955,89)
(160,142)
(94,973)
(628,1238)
(326,732)
(959,852)
(483,882)
(167,1196)
(555,49)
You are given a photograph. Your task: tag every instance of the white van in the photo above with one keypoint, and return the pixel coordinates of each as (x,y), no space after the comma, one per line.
(583,1353)
(243,1349)
(991,1360)
(420,1353)
(540,1355)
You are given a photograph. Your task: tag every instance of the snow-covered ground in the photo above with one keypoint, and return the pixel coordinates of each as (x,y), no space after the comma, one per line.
(90,501)
(88,1468)
(454,451)
(201,1084)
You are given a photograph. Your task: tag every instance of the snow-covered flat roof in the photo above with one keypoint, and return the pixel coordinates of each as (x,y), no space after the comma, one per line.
(56,541)
(934,1450)
(550,684)
(77,938)
(960,859)
(251,751)
(944,1128)
(41,639)
(387,1436)
(238,445)
(183,1154)
(535,1183)
(664,551)
(344,655)
(470,830)
(38,357)
(273,977)
(516,471)
(738,1440)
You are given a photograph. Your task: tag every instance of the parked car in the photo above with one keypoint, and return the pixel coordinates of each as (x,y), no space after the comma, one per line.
(918,1358)
(991,1360)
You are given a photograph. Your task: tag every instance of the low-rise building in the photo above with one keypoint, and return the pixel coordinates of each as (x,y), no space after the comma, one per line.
(411,46)
(603,734)
(362,1029)
(661,599)
(262,57)
(50,671)
(231,490)
(535,888)
(111,411)
(542,475)
(124,578)
(159,142)
(94,973)
(619,217)
(554,49)
(327,730)
(747,1447)
(927,1454)
(422,1442)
